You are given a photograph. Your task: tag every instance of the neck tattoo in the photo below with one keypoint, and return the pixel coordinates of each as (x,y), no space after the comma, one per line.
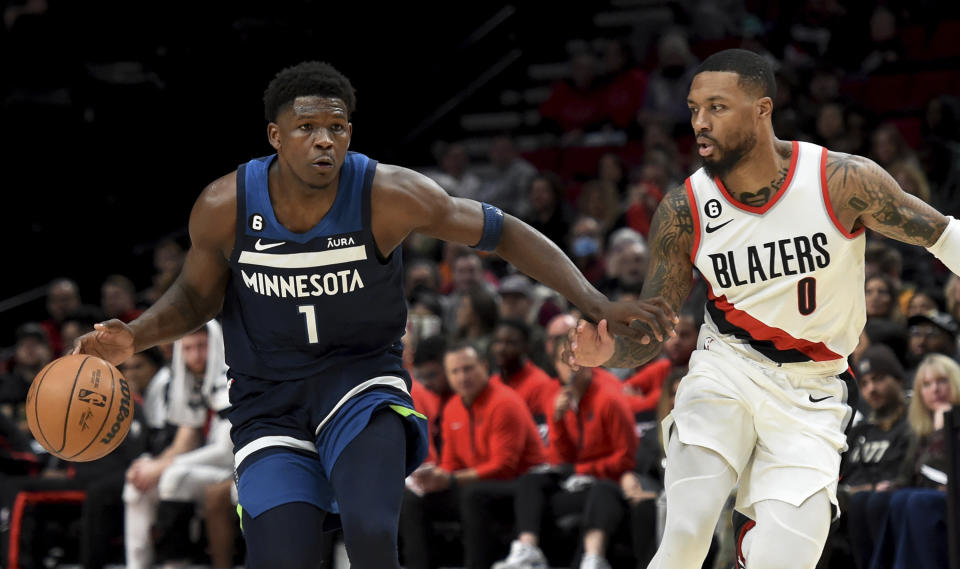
(763,195)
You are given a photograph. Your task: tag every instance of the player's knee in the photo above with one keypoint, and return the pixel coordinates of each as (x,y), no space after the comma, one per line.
(371,543)
(369,529)
(170,483)
(690,527)
(288,557)
(786,552)
(217,495)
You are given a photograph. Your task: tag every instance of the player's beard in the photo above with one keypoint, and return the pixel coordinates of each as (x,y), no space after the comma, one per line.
(729,157)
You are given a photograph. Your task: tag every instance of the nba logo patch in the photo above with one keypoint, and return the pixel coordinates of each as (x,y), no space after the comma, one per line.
(707,342)
(92,397)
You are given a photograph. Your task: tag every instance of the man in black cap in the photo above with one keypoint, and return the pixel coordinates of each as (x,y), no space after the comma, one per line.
(930,333)
(517,302)
(878,445)
(31,352)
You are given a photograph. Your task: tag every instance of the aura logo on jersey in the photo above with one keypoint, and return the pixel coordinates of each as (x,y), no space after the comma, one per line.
(339,242)
(783,257)
(303,286)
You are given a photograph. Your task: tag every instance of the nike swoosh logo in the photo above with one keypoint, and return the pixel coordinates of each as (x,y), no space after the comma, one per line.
(812,400)
(261,247)
(716,227)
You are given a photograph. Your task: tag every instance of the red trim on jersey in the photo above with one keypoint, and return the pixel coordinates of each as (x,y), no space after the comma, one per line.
(783,341)
(695,210)
(741,560)
(826,200)
(776,197)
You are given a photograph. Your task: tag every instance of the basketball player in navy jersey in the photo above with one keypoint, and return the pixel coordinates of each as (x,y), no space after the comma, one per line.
(299,249)
(776,228)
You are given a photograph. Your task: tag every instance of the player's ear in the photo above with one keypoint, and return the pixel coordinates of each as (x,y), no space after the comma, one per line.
(349,133)
(273,135)
(764,107)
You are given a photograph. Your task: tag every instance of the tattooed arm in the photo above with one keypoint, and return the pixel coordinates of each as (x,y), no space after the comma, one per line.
(668,276)
(864,194)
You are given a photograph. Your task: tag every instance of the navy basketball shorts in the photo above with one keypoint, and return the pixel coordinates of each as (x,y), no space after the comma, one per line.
(288,435)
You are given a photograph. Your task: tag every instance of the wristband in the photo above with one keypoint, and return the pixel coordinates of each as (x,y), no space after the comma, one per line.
(947,247)
(492,227)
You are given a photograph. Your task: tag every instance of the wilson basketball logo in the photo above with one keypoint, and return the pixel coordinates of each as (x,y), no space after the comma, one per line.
(122,413)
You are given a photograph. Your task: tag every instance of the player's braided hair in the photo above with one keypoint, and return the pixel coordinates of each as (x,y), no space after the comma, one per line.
(754,71)
(315,78)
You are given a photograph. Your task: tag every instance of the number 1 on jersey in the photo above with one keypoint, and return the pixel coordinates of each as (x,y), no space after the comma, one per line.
(310,314)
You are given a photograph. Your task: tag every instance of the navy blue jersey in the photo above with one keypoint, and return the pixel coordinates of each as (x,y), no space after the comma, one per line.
(320,302)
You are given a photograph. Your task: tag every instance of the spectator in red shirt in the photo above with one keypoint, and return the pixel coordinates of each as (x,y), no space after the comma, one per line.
(592,438)
(118,298)
(630,505)
(643,388)
(63,298)
(510,351)
(557,330)
(489,439)
(431,390)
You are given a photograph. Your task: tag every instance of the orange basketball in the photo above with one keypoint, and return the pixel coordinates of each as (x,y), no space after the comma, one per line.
(79,408)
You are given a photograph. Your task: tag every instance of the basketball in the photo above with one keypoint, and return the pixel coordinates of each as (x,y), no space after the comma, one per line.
(79,408)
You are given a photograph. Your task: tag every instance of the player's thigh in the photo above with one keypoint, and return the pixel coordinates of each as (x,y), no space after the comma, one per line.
(712,410)
(277,476)
(798,450)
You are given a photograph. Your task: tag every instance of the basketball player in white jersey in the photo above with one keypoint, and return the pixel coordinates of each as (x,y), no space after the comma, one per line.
(776,228)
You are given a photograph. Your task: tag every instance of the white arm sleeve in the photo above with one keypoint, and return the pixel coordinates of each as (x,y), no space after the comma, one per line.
(947,248)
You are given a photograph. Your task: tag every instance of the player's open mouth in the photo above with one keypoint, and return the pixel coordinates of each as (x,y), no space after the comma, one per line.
(705,148)
(323,163)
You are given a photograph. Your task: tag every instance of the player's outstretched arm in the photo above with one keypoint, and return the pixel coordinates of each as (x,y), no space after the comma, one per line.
(405,201)
(864,194)
(195,296)
(668,277)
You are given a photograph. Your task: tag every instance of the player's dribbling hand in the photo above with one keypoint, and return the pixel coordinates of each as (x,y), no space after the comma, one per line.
(641,320)
(111,340)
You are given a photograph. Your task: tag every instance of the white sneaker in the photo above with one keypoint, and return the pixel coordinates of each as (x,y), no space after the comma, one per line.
(522,556)
(594,561)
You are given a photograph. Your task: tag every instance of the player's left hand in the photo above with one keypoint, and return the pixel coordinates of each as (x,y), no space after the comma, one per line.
(144,474)
(588,345)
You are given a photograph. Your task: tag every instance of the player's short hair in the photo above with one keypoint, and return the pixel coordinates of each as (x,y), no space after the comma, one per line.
(310,78)
(755,72)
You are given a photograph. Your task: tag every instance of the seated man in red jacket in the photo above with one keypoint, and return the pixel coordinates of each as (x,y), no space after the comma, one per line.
(510,349)
(643,388)
(489,439)
(592,437)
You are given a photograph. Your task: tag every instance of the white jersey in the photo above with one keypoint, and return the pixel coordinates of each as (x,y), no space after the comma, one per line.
(785,279)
